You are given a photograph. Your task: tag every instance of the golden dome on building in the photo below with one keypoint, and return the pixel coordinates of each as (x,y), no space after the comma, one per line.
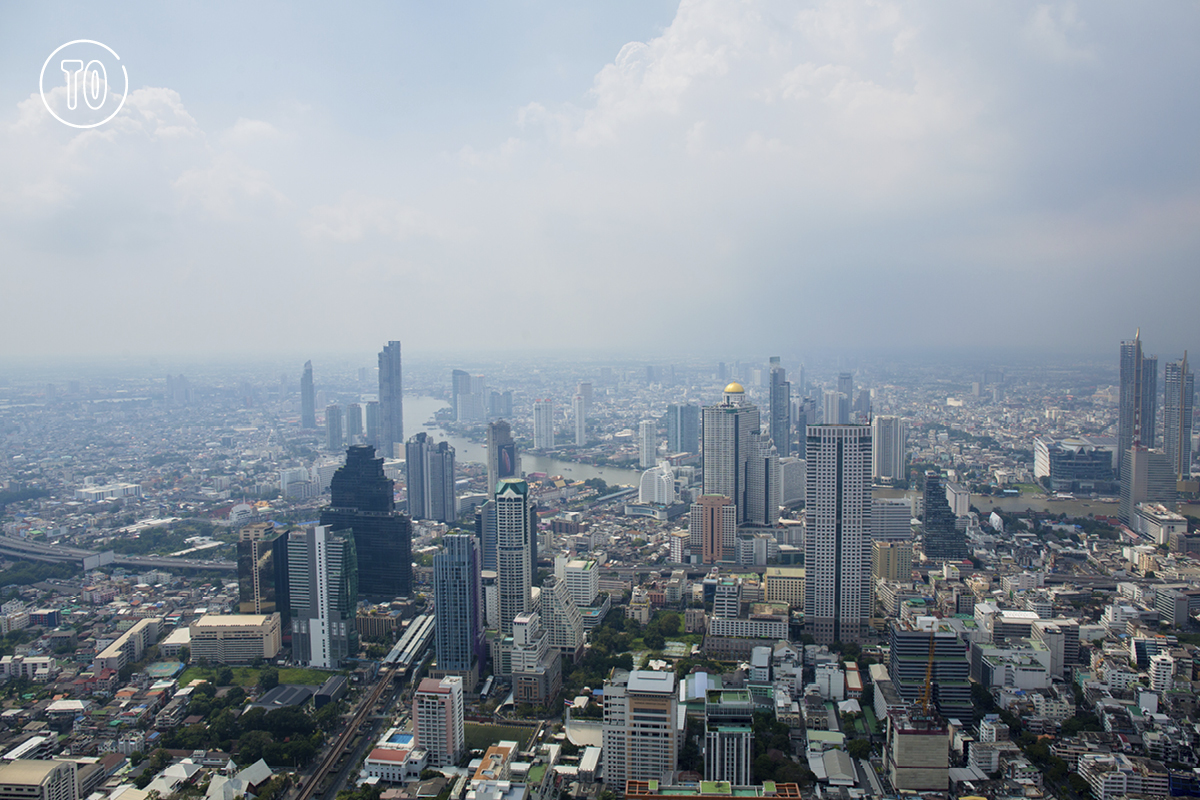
(734,388)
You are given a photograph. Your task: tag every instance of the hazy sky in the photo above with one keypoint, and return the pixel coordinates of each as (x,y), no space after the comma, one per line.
(773,176)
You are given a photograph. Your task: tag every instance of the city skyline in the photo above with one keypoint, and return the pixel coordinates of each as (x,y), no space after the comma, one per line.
(935,159)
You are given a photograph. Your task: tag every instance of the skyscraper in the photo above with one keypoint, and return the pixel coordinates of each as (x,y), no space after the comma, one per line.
(543,424)
(888,441)
(513,549)
(391,400)
(460,384)
(761,497)
(728,724)
(263,572)
(1147,476)
(584,389)
(683,428)
(354,423)
(458,600)
(561,619)
(1180,393)
(429,467)
(362,500)
(806,414)
(712,529)
(647,444)
(323,591)
(641,727)
(372,424)
(502,459)
(308,399)
(438,720)
(781,409)
(1139,395)
(942,539)
(835,409)
(579,411)
(837,547)
(726,430)
(333,428)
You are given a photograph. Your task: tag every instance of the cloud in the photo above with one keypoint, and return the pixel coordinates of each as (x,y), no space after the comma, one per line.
(1052,33)
(356,217)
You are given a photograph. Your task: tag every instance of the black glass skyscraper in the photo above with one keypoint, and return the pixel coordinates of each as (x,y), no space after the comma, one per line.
(943,540)
(363,502)
(263,572)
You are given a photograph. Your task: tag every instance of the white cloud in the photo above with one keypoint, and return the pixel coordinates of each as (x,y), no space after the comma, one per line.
(1053,32)
(356,217)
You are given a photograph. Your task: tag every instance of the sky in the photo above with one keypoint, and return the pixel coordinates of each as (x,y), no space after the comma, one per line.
(634,176)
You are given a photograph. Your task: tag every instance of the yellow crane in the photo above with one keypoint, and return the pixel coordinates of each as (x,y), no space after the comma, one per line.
(927,689)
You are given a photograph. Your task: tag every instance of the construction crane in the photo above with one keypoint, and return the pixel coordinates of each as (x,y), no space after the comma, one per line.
(926,698)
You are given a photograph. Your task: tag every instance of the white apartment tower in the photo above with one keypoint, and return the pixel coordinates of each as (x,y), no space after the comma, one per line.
(583,581)
(641,729)
(513,550)
(579,411)
(888,437)
(837,547)
(543,424)
(438,720)
(647,443)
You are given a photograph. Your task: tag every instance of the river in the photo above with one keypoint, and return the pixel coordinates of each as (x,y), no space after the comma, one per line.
(419,410)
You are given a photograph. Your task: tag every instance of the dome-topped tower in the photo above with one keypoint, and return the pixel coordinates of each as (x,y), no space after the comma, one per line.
(735,394)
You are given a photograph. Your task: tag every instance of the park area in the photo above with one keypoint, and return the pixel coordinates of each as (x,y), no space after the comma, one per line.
(247,677)
(482,736)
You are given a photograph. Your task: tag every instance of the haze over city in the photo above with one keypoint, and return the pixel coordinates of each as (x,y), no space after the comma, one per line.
(831,176)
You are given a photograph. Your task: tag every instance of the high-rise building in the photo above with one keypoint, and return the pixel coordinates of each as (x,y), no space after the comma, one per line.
(536,666)
(712,529)
(845,384)
(888,447)
(762,497)
(362,500)
(780,414)
(460,384)
(263,572)
(429,467)
(942,540)
(806,414)
(640,729)
(657,485)
(500,404)
(837,547)
(372,424)
(835,410)
(792,472)
(891,561)
(582,577)
(37,779)
(561,619)
(391,400)
(1147,476)
(683,428)
(333,428)
(502,458)
(354,423)
(579,411)
(1138,399)
(910,651)
(1179,397)
(308,399)
(728,737)
(891,519)
(438,720)
(471,399)
(543,424)
(458,599)
(513,554)
(323,592)
(726,431)
(584,389)
(647,444)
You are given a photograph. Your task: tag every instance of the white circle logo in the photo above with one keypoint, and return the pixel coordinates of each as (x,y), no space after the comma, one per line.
(85,66)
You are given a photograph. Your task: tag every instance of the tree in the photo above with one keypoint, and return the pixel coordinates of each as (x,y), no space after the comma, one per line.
(225,677)
(185,654)
(859,748)
(268,679)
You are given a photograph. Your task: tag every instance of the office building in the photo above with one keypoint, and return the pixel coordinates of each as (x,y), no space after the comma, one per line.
(263,573)
(909,663)
(561,619)
(30,779)
(805,415)
(1179,397)
(391,400)
(333,428)
(513,523)
(543,424)
(891,519)
(460,385)
(438,720)
(942,539)
(791,481)
(1076,463)
(728,736)
(761,496)
(308,399)
(362,500)
(712,529)
(891,561)
(780,410)
(323,591)
(536,666)
(683,428)
(641,728)
(837,545)
(430,479)
(726,430)
(1147,476)
(647,444)
(235,638)
(918,751)
(889,436)
(354,423)
(458,600)
(1138,398)
(472,401)
(371,417)
(502,458)
(579,412)
(582,577)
